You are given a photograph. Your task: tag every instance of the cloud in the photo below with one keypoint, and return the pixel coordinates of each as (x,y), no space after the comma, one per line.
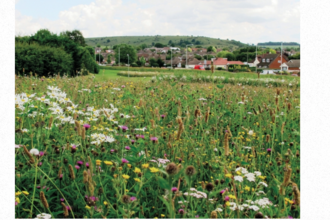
(247,21)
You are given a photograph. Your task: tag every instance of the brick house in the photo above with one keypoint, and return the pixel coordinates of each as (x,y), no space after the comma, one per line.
(272,61)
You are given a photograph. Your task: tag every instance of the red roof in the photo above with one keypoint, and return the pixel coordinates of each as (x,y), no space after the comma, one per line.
(218,61)
(235,62)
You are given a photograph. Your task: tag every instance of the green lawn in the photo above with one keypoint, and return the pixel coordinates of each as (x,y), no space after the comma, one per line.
(107,74)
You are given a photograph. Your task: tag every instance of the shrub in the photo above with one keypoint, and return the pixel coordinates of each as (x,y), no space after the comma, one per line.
(207,68)
(42,60)
(219,68)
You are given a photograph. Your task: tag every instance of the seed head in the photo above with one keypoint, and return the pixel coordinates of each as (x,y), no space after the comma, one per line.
(171,168)
(190,171)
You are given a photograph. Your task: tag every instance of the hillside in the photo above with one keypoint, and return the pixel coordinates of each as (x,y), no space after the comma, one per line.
(278,44)
(177,40)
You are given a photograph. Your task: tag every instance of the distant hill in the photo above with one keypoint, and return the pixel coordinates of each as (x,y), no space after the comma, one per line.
(278,44)
(179,41)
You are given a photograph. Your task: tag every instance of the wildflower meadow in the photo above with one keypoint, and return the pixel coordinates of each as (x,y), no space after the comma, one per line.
(167,147)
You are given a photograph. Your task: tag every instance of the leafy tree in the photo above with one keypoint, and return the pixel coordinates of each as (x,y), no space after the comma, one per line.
(159,45)
(168,57)
(108,41)
(98,45)
(153,62)
(160,62)
(295,57)
(208,57)
(199,46)
(124,50)
(81,56)
(143,46)
(143,61)
(109,58)
(172,45)
(42,60)
(198,57)
(99,57)
(211,49)
(189,49)
(75,36)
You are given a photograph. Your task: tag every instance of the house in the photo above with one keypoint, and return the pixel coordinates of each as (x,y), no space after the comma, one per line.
(192,62)
(222,62)
(174,48)
(252,63)
(291,66)
(272,61)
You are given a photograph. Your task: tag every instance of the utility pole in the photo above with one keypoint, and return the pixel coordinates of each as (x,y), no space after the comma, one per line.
(257,58)
(119,56)
(128,65)
(187,54)
(281,56)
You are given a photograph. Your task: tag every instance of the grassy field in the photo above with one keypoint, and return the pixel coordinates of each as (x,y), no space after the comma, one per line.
(138,40)
(111,74)
(113,147)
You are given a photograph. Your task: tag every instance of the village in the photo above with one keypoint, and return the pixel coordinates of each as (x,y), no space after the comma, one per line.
(201,58)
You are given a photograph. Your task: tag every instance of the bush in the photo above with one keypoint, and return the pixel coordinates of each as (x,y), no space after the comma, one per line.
(207,68)
(219,68)
(42,60)
(134,65)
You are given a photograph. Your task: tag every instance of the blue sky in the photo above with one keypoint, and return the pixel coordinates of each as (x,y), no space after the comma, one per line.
(244,20)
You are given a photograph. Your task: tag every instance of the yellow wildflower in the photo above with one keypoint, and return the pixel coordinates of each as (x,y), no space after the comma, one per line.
(228,175)
(126,177)
(98,162)
(247,188)
(129,165)
(137,170)
(145,166)
(137,180)
(87,207)
(18,193)
(109,163)
(25,193)
(154,170)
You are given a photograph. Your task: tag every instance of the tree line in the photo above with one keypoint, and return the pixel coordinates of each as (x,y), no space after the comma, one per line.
(46,53)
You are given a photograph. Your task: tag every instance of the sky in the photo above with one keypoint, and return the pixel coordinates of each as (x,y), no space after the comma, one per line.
(248,21)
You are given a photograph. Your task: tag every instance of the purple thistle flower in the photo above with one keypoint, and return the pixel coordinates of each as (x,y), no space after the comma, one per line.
(132,141)
(77,167)
(227,198)
(133,198)
(41,153)
(174,189)
(62,200)
(87,165)
(269,150)
(127,148)
(40,163)
(38,187)
(222,191)
(163,116)
(124,128)
(181,211)
(197,216)
(16,203)
(123,160)
(74,147)
(43,187)
(123,86)
(80,162)
(154,139)
(86,126)
(112,150)
(68,208)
